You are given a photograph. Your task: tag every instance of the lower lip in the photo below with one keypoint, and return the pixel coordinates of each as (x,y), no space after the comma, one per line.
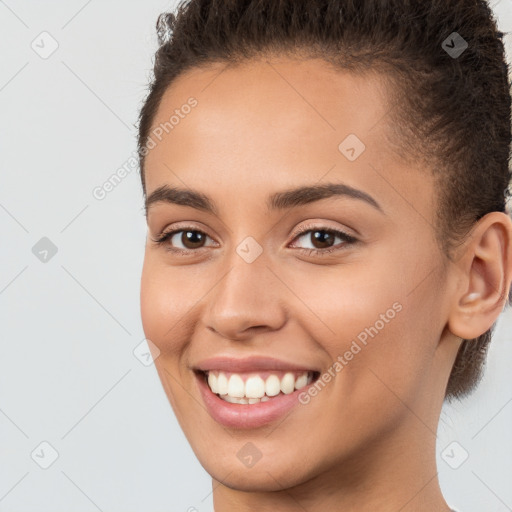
(246,415)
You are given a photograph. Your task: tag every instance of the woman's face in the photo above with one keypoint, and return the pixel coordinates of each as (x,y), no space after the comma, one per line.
(245,302)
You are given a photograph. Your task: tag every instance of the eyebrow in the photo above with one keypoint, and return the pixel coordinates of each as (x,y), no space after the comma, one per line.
(278,201)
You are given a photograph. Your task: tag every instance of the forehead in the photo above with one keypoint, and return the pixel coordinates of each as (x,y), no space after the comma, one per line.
(269,123)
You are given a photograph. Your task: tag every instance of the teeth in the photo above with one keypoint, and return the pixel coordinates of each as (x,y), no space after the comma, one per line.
(272,386)
(301,381)
(255,389)
(235,400)
(222,384)
(236,386)
(288,383)
(212,382)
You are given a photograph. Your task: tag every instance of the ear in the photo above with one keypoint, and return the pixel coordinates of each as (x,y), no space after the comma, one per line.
(484,268)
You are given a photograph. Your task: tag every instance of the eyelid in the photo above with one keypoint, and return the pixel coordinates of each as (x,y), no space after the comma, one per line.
(322,226)
(183,226)
(348,240)
(167,234)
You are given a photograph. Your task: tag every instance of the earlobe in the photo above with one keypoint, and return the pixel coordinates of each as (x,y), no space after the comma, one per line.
(484,277)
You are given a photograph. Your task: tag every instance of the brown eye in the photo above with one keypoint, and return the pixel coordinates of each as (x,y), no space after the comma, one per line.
(322,240)
(182,240)
(192,239)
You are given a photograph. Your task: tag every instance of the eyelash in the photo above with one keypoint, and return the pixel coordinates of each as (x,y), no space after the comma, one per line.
(162,239)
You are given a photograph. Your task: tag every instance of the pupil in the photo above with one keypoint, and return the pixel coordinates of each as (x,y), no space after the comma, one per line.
(329,237)
(321,237)
(190,237)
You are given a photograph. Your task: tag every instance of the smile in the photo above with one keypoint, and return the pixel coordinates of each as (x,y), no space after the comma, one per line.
(252,388)
(252,392)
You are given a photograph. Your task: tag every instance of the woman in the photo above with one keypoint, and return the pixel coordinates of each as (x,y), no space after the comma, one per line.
(328,245)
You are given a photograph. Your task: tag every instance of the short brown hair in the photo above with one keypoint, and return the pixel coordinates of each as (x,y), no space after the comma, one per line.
(451,112)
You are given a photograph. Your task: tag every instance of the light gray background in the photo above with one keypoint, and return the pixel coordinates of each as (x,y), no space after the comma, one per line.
(69,326)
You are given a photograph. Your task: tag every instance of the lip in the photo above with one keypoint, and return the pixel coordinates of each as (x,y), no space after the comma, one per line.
(247,364)
(246,416)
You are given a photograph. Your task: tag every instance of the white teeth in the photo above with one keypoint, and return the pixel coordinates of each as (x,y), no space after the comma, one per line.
(272,385)
(236,386)
(301,381)
(235,400)
(255,389)
(288,383)
(222,384)
(212,382)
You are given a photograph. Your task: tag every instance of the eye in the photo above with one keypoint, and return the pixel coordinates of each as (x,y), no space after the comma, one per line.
(190,238)
(193,240)
(321,239)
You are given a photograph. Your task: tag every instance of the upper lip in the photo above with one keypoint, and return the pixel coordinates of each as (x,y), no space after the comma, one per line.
(246,364)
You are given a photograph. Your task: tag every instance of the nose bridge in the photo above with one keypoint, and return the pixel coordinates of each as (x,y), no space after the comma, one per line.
(247,295)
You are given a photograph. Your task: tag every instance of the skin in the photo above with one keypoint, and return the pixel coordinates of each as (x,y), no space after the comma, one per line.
(367,441)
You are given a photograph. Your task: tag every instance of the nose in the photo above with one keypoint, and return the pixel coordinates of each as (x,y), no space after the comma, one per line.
(249,298)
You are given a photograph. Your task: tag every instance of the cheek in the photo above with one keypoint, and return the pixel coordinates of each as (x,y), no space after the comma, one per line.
(164,301)
(154,307)
(367,321)
(162,314)
(377,367)
(344,303)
